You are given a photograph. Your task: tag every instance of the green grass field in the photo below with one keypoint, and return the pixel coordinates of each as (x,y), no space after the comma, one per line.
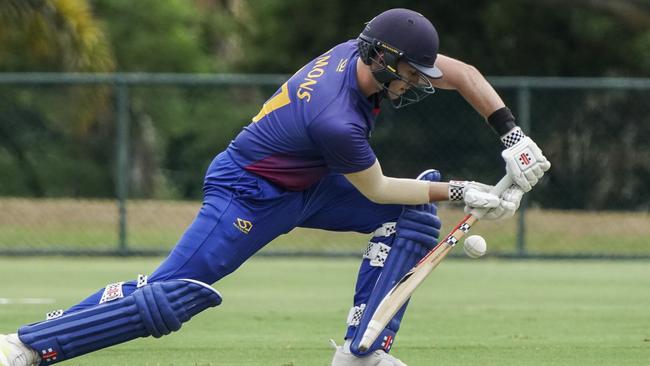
(283,311)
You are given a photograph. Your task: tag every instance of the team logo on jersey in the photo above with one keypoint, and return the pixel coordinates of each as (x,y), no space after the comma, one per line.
(242,225)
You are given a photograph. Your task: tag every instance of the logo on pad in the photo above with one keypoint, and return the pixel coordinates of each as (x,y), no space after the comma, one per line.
(112,292)
(244,226)
(387,342)
(49,355)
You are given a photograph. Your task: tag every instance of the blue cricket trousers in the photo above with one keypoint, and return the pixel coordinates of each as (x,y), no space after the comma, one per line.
(242,212)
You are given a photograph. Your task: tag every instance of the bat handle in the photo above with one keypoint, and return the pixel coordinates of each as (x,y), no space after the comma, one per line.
(502,185)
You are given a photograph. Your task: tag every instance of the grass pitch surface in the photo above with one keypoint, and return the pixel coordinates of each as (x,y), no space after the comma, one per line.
(283,311)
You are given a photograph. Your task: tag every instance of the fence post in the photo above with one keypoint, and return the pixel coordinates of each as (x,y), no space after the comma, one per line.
(122,166)
(523,104)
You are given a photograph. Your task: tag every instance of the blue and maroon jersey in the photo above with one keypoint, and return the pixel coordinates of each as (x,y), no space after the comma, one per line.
(316,123)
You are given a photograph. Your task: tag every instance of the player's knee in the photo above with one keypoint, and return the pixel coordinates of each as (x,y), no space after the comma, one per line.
(221,269)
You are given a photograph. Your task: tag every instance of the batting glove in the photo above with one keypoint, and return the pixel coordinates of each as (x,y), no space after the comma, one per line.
(474,194)
(509,204)
(525,163)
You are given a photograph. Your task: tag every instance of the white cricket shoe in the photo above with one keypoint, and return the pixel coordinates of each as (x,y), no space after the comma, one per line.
(343,357)
(14,353)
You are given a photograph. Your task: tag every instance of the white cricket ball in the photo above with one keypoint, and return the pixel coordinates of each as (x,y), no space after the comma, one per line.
(475,246)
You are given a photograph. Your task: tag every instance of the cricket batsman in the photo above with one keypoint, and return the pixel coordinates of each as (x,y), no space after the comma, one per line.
(305,161)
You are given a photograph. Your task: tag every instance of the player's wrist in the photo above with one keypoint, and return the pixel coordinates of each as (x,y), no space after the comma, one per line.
(502,121)
(456,190)
(438,192)
(513,137)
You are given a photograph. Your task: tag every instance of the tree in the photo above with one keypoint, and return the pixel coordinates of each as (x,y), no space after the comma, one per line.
(177,129)
(50,35)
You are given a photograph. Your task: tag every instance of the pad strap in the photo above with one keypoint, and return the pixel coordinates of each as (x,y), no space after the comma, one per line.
(386,229)
(377,253)
(355,314)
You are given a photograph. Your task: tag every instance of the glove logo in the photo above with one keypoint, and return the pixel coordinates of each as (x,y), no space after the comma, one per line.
(244,226)
(526,159)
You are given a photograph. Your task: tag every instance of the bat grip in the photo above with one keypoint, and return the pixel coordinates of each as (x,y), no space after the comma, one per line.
(499,188)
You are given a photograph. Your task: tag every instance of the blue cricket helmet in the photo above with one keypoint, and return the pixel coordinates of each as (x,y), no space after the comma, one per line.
(409,34)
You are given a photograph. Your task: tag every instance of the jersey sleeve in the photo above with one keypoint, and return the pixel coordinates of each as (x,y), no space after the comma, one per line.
(344,145)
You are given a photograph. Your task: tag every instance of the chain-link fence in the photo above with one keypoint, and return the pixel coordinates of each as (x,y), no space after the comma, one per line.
(113,164)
